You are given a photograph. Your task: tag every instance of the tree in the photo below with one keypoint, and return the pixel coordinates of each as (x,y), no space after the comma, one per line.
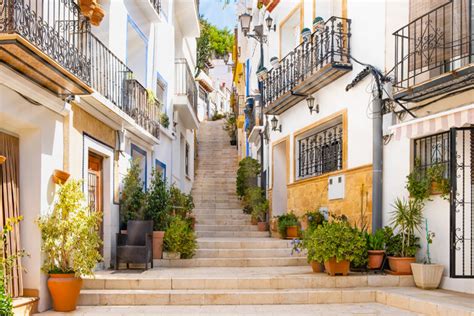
(157,202)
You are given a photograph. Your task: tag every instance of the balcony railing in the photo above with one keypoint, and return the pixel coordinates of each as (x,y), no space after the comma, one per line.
(185,84)
(157,5)
(312,64)
(432,45)
(55,27)
(115,81)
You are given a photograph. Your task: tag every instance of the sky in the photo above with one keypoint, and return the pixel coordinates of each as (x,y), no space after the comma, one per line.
(218,13)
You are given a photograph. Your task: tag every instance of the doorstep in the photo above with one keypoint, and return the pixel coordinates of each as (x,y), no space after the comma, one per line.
(25,306)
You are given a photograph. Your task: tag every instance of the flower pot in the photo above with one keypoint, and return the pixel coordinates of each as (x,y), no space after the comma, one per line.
(262,226)
(317,267)
(427,276)
(375,259)
(254,221)
(97,15)
(2,159)
(158,244)
(87,7)
(171,255)
(60,177)
(64,289)
(401,265)
(435,188)
(332,267)
(292,232)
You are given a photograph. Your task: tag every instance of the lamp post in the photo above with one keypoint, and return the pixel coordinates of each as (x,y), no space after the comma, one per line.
(245,20)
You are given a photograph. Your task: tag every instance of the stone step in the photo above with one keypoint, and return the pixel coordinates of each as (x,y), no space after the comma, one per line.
(216,212)
(226,297)
(218,218)
(253,234)
(224,221)
(232,262)
(243,243)
(245,253)
(226,228)
(215,198)
(218,205)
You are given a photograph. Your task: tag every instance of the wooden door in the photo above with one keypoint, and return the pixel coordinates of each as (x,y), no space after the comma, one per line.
(95,190)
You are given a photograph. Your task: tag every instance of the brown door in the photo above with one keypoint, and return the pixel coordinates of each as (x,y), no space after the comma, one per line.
(95,190)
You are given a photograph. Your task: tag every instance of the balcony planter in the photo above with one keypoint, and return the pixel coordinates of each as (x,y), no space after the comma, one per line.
(306,34)
(158,244)
(318,24)
(427,276)
(262,226)
(97,16)
(292,232)
(401,265)
(171,255)
(375,258)
(60,177)
(275,62)
(333,267)
(64,289)
(317,267)
(87,7)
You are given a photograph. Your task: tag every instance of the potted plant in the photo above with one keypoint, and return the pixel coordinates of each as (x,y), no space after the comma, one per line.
(132,197)
(336,244)
(439,184)
(156,208)
(288,225)
(180,240)
(312,219)
(376,249)
(71,250)
(260,212)
(306,34)
(247,173)
(230,126)
(318,24)
(407,218)
(427,275)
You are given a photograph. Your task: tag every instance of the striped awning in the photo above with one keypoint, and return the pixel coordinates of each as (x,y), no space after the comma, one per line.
(434,123)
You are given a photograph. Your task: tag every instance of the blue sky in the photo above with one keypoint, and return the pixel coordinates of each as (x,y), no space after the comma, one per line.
(218,13)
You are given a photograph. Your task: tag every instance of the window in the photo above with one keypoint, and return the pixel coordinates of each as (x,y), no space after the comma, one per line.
(161,88)
(161,167)
(432,150)
(139,155)
(186,160)
(320,152)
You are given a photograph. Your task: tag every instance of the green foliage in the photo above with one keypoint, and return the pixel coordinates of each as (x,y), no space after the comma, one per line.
(407,217)
(376,241)
(230,124)
(164,120)
(180,203)
(395,246)
(180,238)
(70,233)
(436,174)
(429,240)
(248,170)
(131,203)
(156,205)
(213,42)
(336,240)
(217,116)
(286,220)
(419,182)
(260,210)
(252,198)
(314,218)
(7,264)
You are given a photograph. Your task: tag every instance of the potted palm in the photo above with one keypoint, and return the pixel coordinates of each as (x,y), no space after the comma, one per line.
(406,218)
(376,249)
(288,225)
(336,244)
(427,275)
(156,208)
(71,242)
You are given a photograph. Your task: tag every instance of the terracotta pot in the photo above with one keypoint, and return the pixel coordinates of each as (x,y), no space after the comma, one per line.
(427,276)
(375,259)
(60,177)
(262,226)
(97,15)
(158,244)
(401,265)
(254,221)
(2,159)
(332,267)
(435,188)
(64,289)
(317,267)
(171,255)
(292,232)
(87,7)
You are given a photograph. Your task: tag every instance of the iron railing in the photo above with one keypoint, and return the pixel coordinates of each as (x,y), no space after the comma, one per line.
(330,45)
(115,81)
(435,43)
(320,152)
(157,5)
(185,84)
(56,27)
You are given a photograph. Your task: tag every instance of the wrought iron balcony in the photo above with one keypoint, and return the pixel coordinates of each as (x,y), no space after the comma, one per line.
(186,93)
(157,5)
(434,53)
(115,81)
(47,41)
(311,66)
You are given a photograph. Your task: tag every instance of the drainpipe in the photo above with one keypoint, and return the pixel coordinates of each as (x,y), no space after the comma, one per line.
(377,156)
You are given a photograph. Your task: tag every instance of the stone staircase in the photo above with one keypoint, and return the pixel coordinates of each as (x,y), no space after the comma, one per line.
(226,237)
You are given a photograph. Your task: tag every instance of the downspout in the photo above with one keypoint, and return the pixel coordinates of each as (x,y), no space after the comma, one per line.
(377,154)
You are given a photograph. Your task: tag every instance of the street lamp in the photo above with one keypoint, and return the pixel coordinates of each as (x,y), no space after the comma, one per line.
(310,101)
(269,22)
(275,126)
(245,20)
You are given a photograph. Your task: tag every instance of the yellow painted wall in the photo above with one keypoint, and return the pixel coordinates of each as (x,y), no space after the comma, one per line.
(311,194)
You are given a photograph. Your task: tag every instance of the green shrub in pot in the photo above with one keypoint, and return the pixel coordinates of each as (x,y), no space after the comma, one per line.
(180,238)
(285,221)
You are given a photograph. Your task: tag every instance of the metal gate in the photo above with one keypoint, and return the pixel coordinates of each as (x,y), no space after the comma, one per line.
(461,203)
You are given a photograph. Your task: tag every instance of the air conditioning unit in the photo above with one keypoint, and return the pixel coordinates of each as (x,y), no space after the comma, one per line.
(336,187)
